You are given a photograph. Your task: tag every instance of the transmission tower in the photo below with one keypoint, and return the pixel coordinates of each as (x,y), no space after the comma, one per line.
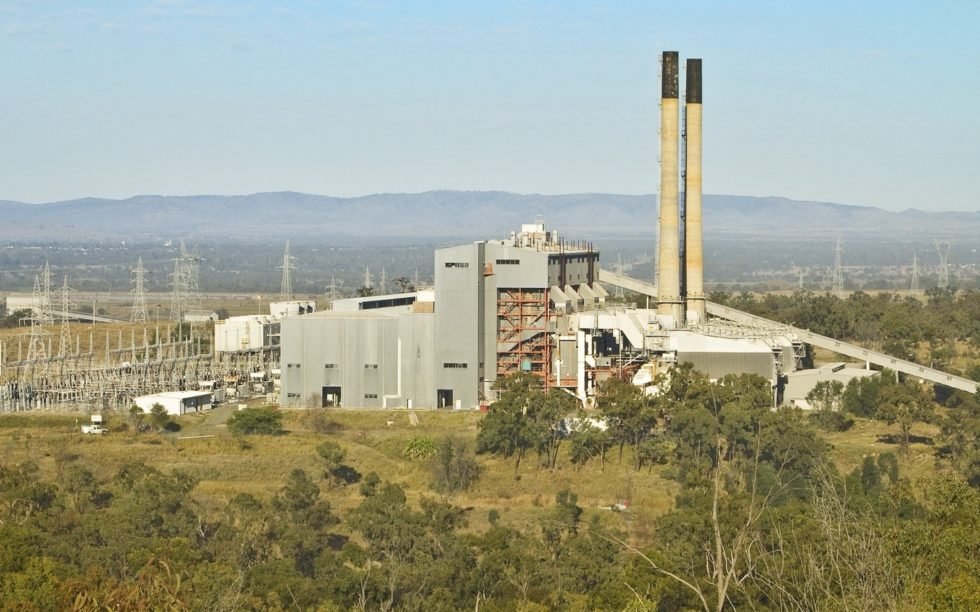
(367,278)
(943,247)
(837,286)
(915,274)
(64,341)
(286,291)
(332,290)
(42,300)
(619,270)
(383,282)
(35,347)
(185,284)
(139,294)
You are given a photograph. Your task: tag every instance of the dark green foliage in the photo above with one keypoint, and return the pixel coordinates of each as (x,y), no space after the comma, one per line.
(525,418)
(337,472)
(904,405)
(369,485)
(587,443)
(14,318)
(266,421)
(831,420)
(453,467)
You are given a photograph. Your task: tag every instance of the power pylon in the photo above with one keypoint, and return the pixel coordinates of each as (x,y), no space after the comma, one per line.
(333,293)
(64,340)
(138,314)
(837,286)
(35,347)
(943,247)
(368,284)
(286,290)
(915,274)
(185,284)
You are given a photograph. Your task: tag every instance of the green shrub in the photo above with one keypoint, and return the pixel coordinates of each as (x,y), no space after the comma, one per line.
(266,421)
(418,449)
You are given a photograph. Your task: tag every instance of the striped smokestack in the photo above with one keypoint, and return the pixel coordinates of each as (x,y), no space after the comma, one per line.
(694,250)
(668,261)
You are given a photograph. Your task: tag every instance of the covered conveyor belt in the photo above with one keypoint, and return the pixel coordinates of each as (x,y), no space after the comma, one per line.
(837,346)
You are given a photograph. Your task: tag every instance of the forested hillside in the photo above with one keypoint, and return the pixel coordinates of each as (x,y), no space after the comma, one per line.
(701,498)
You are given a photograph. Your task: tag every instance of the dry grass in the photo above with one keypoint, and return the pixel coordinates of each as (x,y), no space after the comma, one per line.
(258,465)
(868,437)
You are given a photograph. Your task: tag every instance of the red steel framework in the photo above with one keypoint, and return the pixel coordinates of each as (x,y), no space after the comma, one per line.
(522,333)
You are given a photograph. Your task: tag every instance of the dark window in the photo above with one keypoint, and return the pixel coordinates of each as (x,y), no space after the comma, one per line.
(330,366)
(370,366)
(370,396)
(454,365)
(508,262)
(457,264)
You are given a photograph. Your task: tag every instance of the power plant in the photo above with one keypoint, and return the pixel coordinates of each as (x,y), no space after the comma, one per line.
(533,302)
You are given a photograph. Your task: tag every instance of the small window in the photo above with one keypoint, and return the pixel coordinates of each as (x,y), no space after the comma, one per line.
(370,366)
(508,262)
(292,395)
(294,365)
(461,366)
(457,264)
(329,366)
(370,396)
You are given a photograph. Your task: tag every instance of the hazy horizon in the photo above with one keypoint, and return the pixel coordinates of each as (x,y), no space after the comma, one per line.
(842,103)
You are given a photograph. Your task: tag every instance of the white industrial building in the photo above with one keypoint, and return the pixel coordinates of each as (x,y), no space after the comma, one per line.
(800,383)
(255,332)
(176,403)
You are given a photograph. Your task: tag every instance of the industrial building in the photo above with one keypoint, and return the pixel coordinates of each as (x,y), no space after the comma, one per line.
(531,303)
(176,403)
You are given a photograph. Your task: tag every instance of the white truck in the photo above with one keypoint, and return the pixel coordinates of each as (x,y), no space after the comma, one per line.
(95,427)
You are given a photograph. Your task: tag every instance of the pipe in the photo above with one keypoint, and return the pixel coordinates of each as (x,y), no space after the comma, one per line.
(693,239)
(668,295)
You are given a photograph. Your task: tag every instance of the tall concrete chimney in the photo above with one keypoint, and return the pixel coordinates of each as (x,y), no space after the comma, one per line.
(694,250)
(668,269)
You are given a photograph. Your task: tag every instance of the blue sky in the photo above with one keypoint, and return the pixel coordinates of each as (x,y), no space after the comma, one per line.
(861,103)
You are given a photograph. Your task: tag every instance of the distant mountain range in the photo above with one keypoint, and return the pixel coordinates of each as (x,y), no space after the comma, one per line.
(457,214)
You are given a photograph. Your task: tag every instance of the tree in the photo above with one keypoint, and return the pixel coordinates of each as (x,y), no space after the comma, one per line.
(587,442)
(266,421)
(826,395)
(159,417)
(631,417)
(453,468)
(524,418)
(959,432)
(137,415)
(337,472)
(904,405)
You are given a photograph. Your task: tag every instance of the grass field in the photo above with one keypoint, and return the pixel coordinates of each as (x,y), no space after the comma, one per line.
(374,442)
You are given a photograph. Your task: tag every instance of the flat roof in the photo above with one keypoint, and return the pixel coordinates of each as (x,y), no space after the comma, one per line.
(176,394)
